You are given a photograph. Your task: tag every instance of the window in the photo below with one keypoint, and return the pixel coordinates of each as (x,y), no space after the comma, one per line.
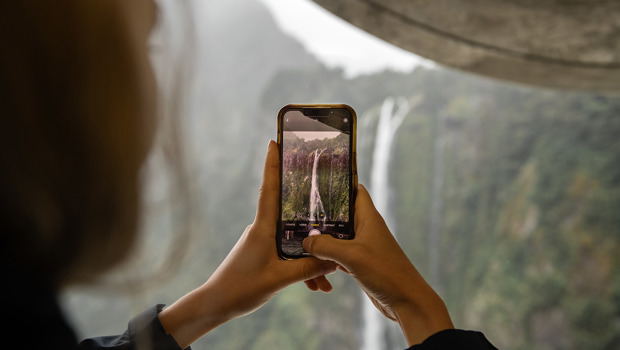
(506,197)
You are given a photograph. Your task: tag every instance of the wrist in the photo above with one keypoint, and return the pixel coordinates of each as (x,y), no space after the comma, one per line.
(422,316)
(192,316)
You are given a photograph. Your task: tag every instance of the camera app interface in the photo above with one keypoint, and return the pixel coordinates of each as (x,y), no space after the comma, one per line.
(315,177)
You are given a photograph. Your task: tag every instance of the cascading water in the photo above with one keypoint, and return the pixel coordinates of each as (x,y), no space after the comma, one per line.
(316,205)
(389,121)
(434,227)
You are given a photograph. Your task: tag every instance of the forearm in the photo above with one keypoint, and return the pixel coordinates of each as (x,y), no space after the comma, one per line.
(424,315)
(192,316)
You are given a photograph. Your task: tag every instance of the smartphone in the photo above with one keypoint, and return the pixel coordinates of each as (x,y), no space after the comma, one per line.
(318,175)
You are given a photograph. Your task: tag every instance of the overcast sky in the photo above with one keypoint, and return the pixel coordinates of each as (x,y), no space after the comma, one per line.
(337,43)
(313,135)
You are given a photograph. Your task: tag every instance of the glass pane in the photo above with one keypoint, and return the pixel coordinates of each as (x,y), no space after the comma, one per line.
(506,197)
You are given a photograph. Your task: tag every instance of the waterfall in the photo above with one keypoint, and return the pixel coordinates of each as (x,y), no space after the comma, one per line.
(390,120)
(434,227)
(316,205)
(331,178)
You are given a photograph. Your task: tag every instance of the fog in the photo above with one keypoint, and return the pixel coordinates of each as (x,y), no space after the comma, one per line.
(523,245)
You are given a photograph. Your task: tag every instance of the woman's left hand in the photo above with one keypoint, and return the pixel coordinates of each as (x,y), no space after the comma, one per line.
(251,274)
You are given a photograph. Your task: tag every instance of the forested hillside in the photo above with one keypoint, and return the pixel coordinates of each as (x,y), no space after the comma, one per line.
(507,198)
(332,178)
(529,215)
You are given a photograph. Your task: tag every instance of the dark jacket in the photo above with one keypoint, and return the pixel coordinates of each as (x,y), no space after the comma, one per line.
(34,320)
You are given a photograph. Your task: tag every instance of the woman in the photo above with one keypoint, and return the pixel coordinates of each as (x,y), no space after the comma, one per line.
(78,99)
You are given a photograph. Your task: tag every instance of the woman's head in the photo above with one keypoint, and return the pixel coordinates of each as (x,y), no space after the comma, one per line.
(78,113)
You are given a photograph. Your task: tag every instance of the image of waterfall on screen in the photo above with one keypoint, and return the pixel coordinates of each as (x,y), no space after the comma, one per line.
(315,185)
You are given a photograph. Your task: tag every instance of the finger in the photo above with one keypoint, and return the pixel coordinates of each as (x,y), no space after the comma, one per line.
(363,203)
(365,212)
(311,284)
(319,283)
(323,284)
(267,210)
(327,247)
(343,269)
(306,269)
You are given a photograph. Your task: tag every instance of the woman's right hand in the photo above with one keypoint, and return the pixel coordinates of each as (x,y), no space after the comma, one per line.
(381,268)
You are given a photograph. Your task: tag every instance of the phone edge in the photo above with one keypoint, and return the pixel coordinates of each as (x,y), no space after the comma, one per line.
(354,180)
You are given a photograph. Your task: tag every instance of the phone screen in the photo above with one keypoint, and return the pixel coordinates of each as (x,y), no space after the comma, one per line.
(317,175)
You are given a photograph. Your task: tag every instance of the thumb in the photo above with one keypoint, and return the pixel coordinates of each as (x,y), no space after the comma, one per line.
(267,209)
(327,247)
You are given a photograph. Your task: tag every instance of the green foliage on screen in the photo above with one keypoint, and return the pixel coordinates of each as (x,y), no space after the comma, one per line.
(332,173)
